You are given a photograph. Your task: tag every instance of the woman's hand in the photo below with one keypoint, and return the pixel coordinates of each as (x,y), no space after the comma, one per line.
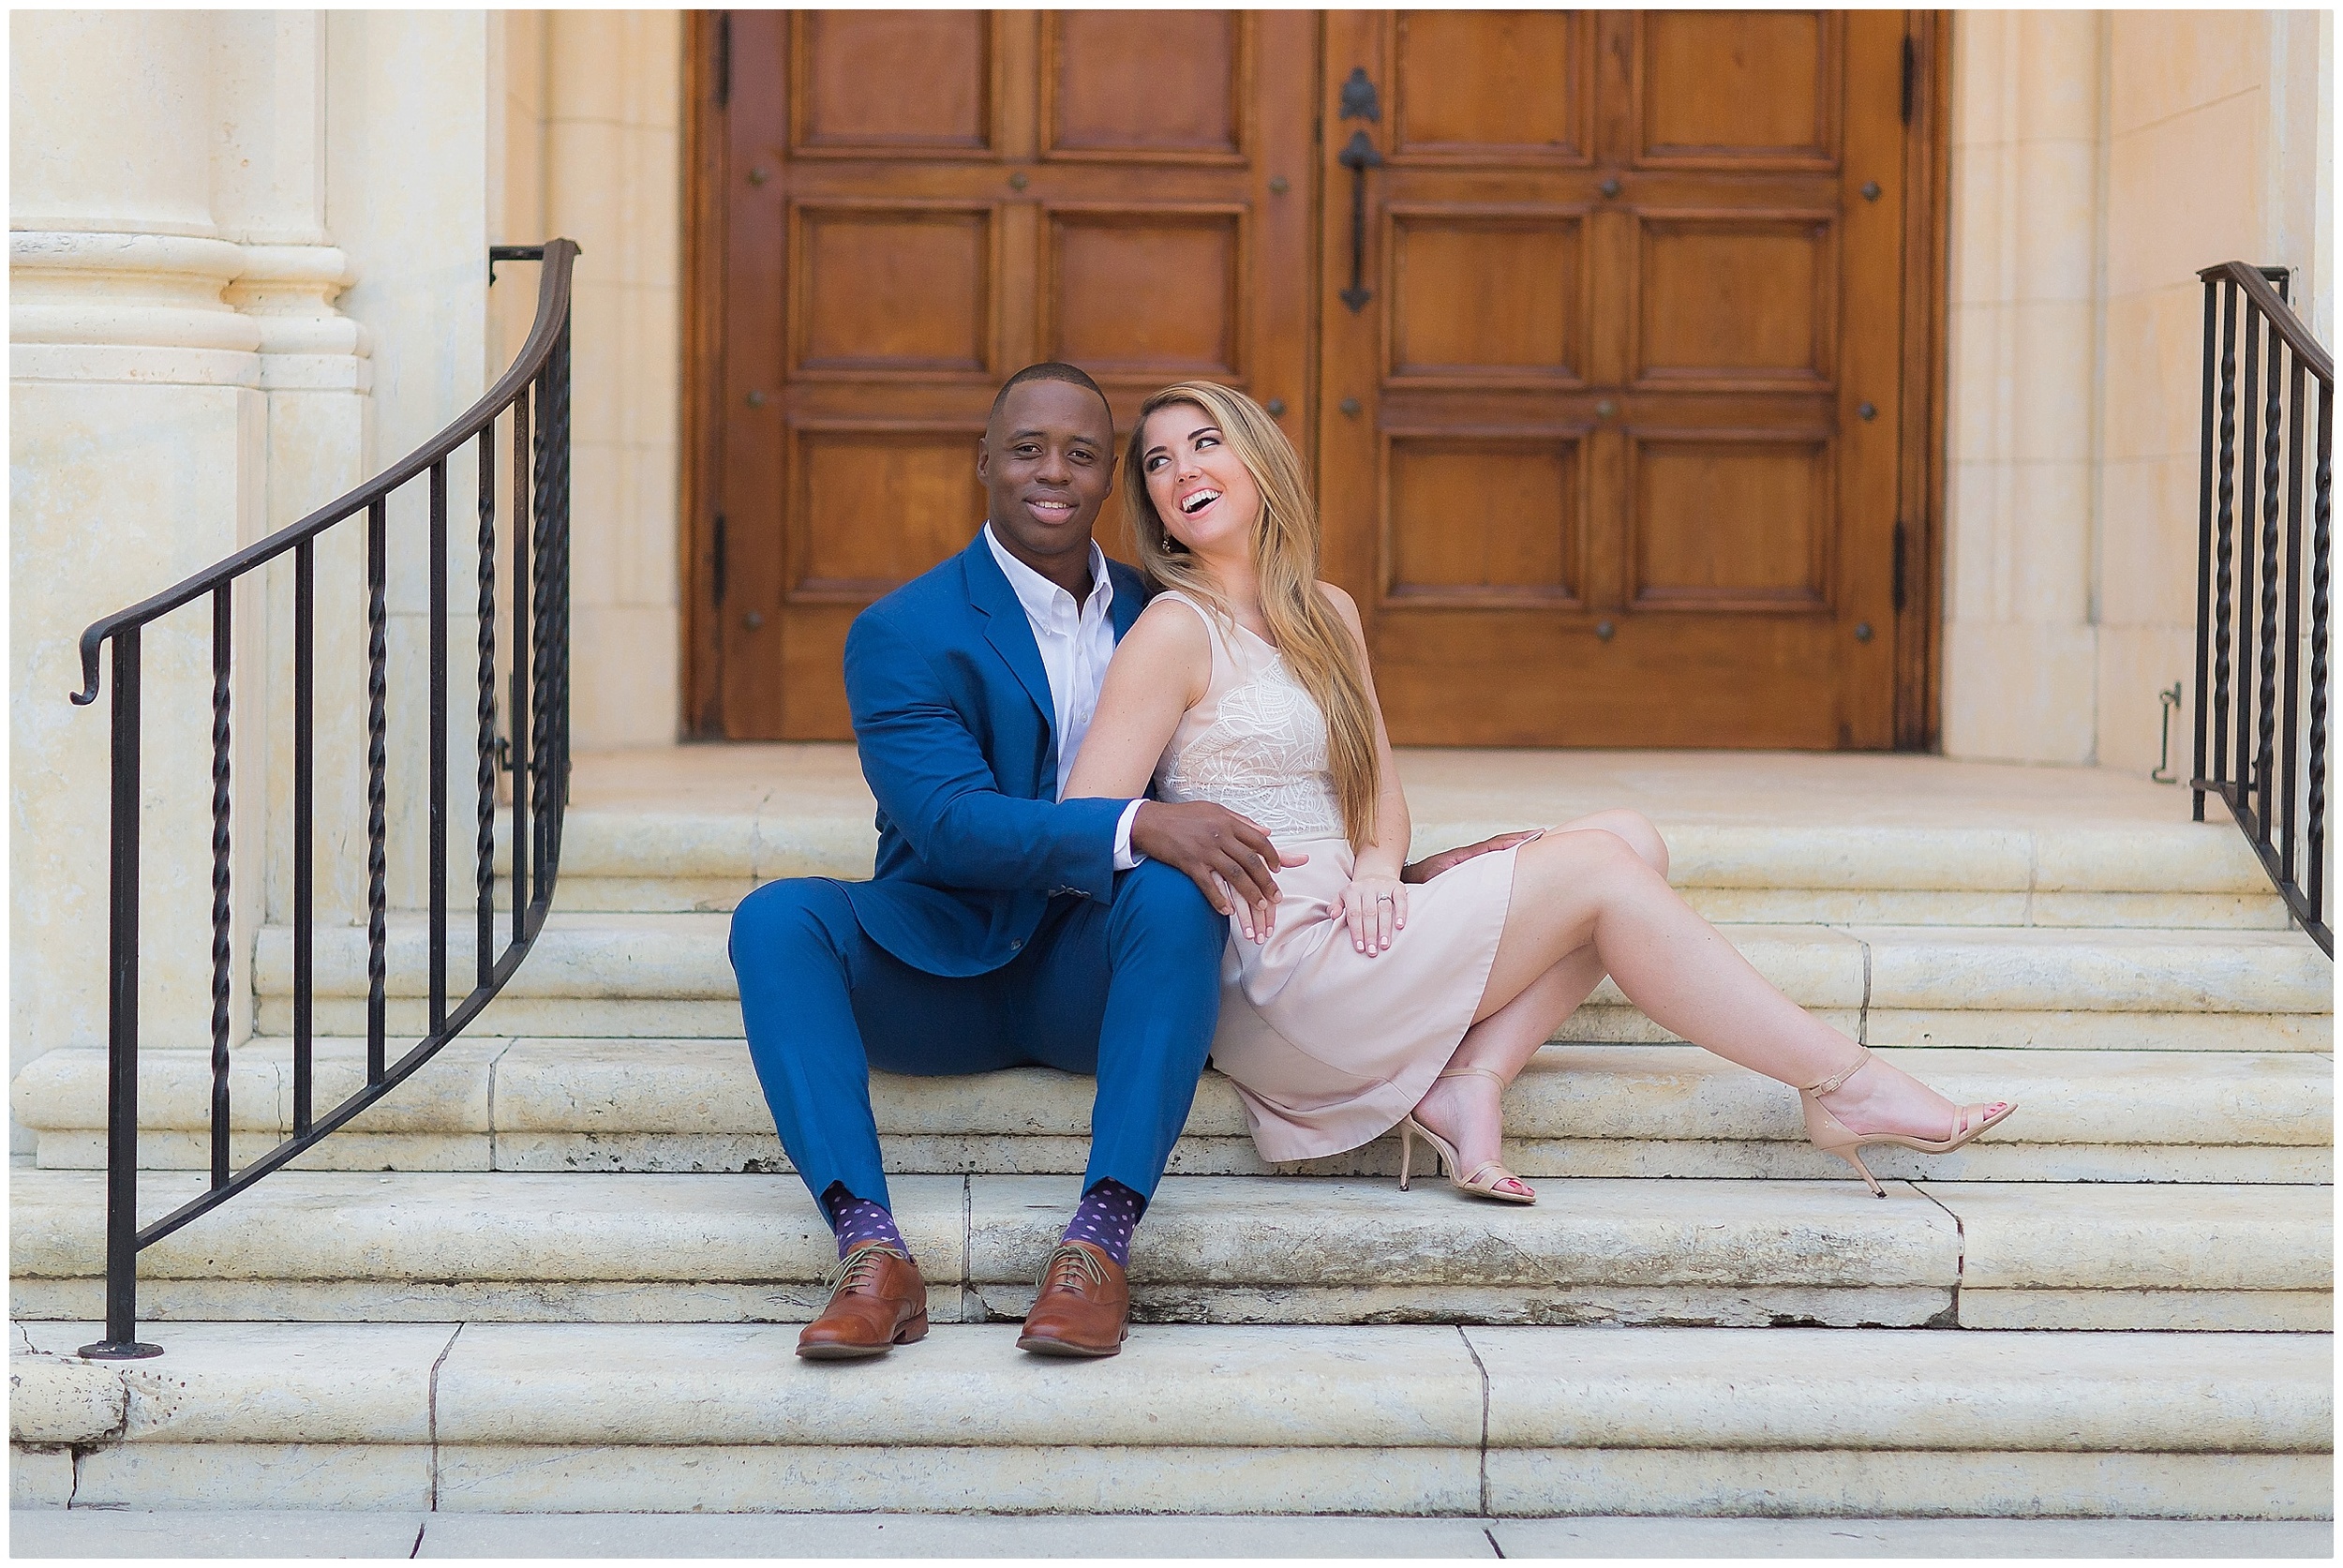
(1374,906)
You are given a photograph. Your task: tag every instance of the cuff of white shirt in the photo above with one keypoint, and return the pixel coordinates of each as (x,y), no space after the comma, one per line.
(1124,858)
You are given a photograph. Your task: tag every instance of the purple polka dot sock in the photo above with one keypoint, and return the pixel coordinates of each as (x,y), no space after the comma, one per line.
(1107,1214)
(857,1220)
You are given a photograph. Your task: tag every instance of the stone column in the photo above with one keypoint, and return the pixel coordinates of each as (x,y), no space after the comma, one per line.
(2020,643)
(138,439)
(269,194)
(409,193)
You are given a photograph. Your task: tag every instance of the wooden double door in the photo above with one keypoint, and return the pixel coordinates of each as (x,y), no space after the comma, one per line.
(1604,334)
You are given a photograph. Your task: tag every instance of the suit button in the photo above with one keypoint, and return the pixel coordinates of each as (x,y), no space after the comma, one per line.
(1015,942)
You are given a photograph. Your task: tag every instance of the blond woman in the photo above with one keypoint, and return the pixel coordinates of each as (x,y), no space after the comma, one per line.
(1357,1001)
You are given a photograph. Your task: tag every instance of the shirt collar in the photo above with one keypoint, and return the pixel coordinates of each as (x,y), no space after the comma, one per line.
(1039,595)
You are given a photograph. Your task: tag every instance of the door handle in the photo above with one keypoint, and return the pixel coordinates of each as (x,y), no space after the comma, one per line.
(1359,102)
(1358,156)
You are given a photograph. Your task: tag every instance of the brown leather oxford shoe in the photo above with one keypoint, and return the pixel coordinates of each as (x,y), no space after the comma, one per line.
(878,1302)
(1084,1306)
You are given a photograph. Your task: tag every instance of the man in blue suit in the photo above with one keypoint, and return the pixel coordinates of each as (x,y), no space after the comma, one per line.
(1004,926)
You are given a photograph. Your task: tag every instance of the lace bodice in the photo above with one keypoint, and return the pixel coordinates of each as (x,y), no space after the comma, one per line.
(1256,744)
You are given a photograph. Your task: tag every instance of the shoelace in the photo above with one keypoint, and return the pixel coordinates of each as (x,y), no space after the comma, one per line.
(1071,1260)
(858,1268)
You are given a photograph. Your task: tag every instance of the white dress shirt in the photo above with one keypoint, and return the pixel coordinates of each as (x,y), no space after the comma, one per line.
(1076,641)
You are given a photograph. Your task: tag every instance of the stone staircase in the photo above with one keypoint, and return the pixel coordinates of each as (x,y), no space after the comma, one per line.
(540,1276)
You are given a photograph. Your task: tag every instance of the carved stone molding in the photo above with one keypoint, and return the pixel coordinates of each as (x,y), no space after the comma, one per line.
(110,306)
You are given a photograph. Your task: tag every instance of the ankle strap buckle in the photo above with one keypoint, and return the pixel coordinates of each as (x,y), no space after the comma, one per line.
(1832,1083)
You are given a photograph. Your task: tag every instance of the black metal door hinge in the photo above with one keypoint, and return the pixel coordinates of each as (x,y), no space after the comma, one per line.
(1911,75)
(721,554)
(1899,567)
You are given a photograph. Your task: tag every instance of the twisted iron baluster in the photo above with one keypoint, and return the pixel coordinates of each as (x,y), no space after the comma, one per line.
(541,633)
(2225,518)
(517,710)
(377,759)
(2204,556)
(2248,560)
(483,845)
(223,605)
(2289,764)
(2273,448)
(2320,541)
(561,786)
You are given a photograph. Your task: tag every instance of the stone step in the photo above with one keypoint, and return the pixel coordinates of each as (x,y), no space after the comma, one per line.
(2170,874)
(668,1248)
(44,1528)
(693,1105)
(1431,1420)
(667,975)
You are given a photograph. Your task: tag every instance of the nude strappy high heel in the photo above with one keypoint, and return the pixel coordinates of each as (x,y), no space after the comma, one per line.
(1484,1178)
(1834,1137)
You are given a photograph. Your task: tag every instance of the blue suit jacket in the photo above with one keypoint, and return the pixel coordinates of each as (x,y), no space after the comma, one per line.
(956,730)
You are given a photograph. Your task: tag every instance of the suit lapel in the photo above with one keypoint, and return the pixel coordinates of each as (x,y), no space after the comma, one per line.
(1130,597)
(1006,628)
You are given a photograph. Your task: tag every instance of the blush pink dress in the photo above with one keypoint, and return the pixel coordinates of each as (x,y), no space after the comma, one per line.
(1327,1046)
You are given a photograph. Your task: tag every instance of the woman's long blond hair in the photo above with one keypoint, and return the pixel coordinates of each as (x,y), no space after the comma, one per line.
(1319,649)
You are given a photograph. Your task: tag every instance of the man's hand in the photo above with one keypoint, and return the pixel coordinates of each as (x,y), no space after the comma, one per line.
(1228,856)
(1447,859)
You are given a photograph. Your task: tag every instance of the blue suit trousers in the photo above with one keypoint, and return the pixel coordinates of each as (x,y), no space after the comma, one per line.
(1128,990)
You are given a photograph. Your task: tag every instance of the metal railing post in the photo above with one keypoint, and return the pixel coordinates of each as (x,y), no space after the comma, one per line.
(122,1025)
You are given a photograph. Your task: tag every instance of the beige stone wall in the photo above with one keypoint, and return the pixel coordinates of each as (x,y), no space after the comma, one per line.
(593,104)
(2018,644)
(2215,128)
(2099,160)
(171,323)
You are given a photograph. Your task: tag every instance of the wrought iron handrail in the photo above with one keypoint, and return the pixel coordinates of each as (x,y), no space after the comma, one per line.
(2263,747)
(535,394)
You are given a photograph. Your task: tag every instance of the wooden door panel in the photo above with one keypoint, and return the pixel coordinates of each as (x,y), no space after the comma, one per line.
(1730,522)
(1147,294)
(876,505)
(1476,522)
(1698,688)
(1110,91)
(1727,89)
(1736,301)
(1487,293)
(916,84)
(1474,85)
(894,289)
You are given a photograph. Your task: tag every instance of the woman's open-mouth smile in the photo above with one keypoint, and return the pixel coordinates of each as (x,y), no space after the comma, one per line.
(1194,503)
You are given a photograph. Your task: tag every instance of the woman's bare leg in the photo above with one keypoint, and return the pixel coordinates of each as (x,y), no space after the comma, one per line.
(1466,1111)
(1575,889)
